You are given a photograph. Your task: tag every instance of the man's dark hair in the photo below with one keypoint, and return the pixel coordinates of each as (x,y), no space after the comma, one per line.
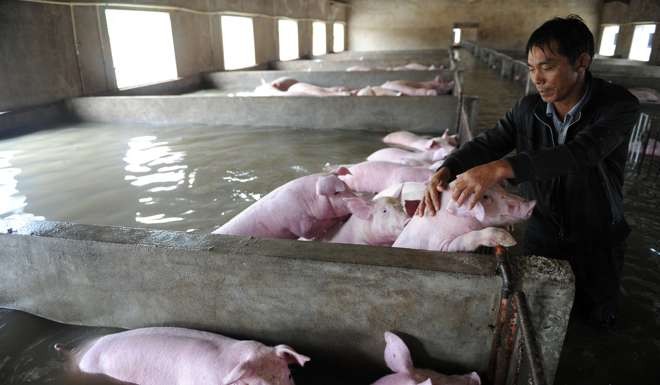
(571,36)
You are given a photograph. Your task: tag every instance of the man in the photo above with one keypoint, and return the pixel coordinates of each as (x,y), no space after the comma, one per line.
(570,144)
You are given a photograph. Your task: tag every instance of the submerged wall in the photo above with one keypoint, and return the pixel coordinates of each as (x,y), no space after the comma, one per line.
(57,50)
(423,24)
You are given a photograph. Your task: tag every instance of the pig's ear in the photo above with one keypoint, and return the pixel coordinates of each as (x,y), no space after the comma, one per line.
(397,355)
(290,356)
(478,211)
(411,207)
(445,134)
(239,372)
(329,184)
(427,382)
(393,191)
(429,144)
(453,140)
(341,170)
(359,207)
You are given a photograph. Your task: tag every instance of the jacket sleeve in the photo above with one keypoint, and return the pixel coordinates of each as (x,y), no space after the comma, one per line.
(590,146)
(488,146)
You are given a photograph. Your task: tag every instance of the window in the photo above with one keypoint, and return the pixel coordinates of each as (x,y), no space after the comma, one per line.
(318,35)
(288,31)
(608,40)
(642,42)
(237,42)
(338,37)
(457,35)
(142,47)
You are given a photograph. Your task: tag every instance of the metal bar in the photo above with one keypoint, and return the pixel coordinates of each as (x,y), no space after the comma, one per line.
(532,350)
(501,347)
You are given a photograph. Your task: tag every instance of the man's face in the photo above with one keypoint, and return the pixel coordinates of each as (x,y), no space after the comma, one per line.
(554,77)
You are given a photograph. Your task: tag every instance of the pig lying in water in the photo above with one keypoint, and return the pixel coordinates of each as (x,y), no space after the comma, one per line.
(433,87)
(420,143)
(398,359)
(457,228)
(177,356)
(373,177)
(376,223)
(304,207)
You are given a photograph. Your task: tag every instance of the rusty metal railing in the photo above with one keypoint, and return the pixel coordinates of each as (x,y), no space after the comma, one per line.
(515,354)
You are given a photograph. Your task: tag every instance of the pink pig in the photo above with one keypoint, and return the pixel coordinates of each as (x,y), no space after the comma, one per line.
(377,223)
(420,143)
(304,207)
(398,359)
(374,177)
(434,87)
(457,228)
(397,155)
(177,356)
(306,89)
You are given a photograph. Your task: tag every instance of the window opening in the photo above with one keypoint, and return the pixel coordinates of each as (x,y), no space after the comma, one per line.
(142,47)
(237,42)
(288,37)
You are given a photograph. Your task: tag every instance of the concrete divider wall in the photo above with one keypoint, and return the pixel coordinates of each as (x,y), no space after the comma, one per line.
(340,65)
(411,55)
(248,80)
(330,301)
(423,114)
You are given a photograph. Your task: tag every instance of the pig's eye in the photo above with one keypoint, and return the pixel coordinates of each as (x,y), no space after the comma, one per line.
(385,210)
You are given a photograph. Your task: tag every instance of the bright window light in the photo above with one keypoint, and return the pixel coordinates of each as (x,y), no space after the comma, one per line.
(338,37)
(608,41)
(142,47)
(457,35)
(288,30)
(237,42)
(642,42)
(318,34)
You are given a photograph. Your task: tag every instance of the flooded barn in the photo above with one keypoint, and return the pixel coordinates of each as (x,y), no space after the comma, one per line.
(329,192)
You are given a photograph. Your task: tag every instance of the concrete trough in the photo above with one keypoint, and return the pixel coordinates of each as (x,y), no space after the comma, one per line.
(330,301)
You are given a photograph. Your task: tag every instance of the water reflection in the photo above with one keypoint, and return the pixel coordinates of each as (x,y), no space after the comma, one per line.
(153,165)
(12,202)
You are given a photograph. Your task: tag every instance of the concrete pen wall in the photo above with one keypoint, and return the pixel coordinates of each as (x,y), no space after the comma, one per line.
(331,301)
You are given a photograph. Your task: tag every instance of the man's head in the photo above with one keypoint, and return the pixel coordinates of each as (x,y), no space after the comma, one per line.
(559,53)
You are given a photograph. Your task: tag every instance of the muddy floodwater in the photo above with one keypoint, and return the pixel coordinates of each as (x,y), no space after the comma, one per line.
(195,178)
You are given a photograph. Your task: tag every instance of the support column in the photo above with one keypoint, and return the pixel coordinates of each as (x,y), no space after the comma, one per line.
(655,50)
(624,41)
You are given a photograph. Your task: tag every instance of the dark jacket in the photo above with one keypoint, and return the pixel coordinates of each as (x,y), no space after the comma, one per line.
(578,185)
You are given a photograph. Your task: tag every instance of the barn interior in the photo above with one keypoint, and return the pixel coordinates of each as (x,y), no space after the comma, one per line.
(130,130)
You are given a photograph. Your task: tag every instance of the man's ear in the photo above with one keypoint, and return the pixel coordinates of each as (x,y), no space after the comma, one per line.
(583,62)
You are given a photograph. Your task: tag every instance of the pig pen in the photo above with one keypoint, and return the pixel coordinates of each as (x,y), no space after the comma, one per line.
(342,61)
(235,81)
(332,302)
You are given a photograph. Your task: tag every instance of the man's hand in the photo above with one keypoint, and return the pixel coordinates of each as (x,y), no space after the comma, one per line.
(471,185)
(439,182)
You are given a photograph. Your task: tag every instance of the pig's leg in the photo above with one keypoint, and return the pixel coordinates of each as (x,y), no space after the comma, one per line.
(490,236)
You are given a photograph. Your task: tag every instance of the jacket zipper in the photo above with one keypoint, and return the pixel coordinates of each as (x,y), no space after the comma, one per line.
(554,144)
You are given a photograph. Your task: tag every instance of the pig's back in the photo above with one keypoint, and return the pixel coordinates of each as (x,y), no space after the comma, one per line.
(156,356)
